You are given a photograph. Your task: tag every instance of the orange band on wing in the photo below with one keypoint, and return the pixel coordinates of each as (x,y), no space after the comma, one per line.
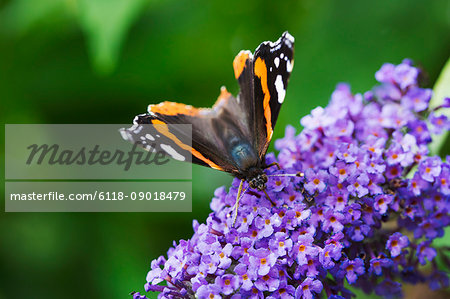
(171,108)
(239,63)
(261,72)
(164,129)
(224,96)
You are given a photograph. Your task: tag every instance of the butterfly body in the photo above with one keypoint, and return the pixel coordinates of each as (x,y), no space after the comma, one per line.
(233,135)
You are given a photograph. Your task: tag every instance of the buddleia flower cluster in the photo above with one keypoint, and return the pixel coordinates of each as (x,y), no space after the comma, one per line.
(365,213)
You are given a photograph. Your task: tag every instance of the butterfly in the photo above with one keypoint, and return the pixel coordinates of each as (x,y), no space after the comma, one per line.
(234,135)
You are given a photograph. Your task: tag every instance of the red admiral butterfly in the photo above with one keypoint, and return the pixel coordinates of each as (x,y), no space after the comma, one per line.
(234,134)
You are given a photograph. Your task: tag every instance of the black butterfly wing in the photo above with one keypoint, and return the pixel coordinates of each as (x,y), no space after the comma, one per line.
(222,135)
(263,80)
(211,131)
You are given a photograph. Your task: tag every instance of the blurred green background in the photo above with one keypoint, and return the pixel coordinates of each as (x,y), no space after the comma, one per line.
(104,61)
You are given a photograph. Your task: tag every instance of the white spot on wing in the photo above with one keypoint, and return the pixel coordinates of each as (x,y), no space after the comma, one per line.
(280,89)
(149,137)
(289,37)
(276,61)
(173,153)
(289,65)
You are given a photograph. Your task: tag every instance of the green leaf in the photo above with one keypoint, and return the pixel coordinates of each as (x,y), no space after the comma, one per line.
(20,16)
(440,91)
(105,24)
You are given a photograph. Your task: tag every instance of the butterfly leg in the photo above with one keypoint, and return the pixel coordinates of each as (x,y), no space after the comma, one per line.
(236,205)
(272,164)
(268,197)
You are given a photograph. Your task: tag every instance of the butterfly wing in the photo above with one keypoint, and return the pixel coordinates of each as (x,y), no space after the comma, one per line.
(211,129)
(263,80)
(222,135)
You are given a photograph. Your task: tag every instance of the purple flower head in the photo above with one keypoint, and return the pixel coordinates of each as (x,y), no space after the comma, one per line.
(342,127)
(395,154)
(269,282)
(285,292)
(338,200)
(278,183)
(369,182)
(377,265)
(425,252)
(137,295)
(316,120)
(417,185)
(395,116)
(396,243)
(358,231)
(389,289)
(307,288)
(417,99)
(430,168)
(266,223)
(444,179)
(358,185)
(439,123)
(303,249)
(394,171)
(419,129)
(328,255)
(348,152)
(227,283)
(333,221)
(438,280)
(351,269)
(211,291)
(382,202)
(288,142)
(405,75)
(386,73)
(262,260)
(246,276)
(316,181)
(342,170)
(280,245)
(446,103)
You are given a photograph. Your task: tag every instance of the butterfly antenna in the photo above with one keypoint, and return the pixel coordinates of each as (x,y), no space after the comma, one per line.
(298,174)
(238,198)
